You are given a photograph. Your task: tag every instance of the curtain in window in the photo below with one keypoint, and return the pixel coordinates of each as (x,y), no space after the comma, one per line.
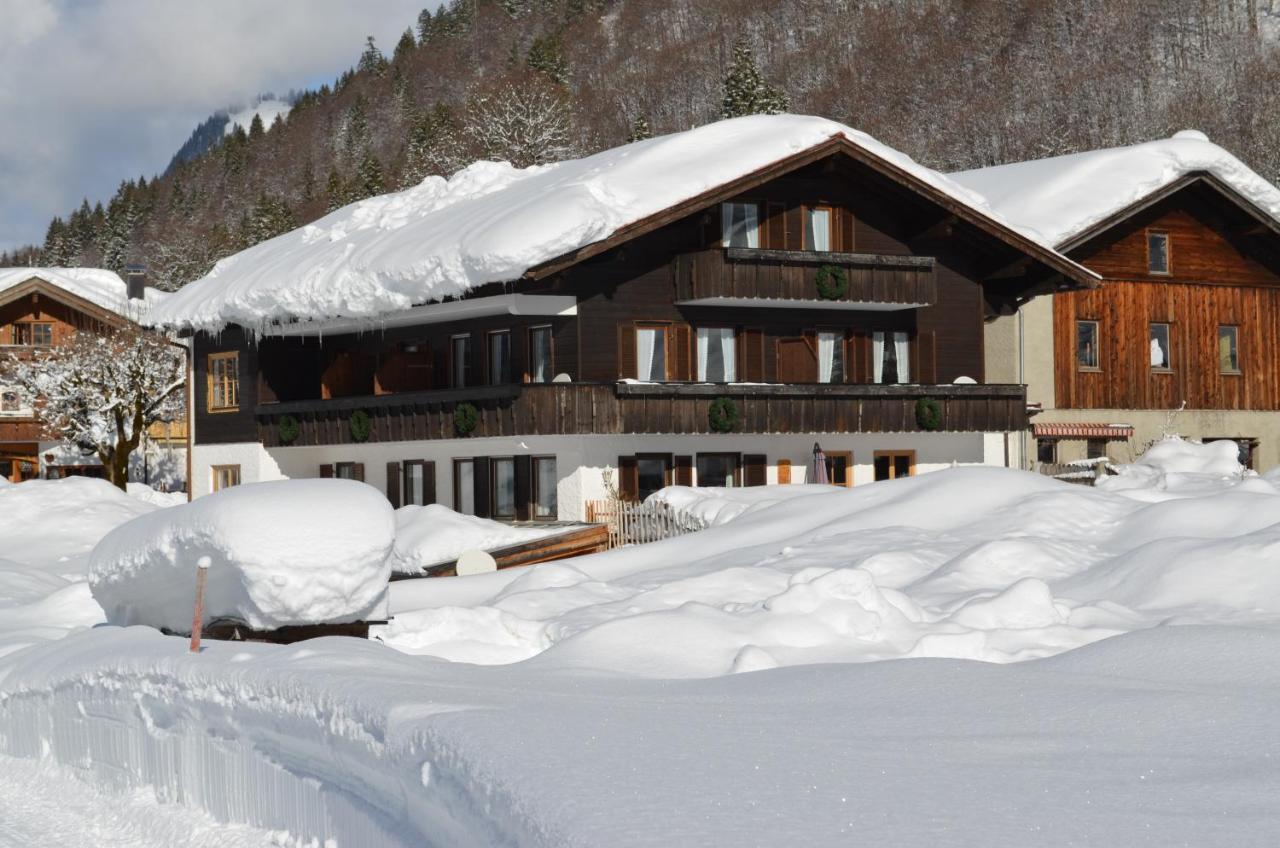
(727,358)
(466,488)
(716,355)
(818,234)
(645,342)
(741,227)
(704,353)
(1226,351)
(877,357)
(900,349)
(826,356)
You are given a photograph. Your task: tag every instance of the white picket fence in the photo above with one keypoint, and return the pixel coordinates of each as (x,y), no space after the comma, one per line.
(632,523)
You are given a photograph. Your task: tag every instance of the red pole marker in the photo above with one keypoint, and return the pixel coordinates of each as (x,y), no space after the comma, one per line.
(202,569)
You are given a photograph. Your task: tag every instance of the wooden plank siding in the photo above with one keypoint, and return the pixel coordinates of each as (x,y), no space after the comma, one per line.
(790,275)
(620,408)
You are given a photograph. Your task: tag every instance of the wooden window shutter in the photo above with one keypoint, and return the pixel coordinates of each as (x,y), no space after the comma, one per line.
(393,484)
(628,478)
(859,359)
(683,471)
(926,358)
(428,482)
(755,469)
(326,471)
(751,355)
(480,476)
(775,227)
(846,230)
(795,228)
(357,471)
(627,367)
(682,355)
(524,488)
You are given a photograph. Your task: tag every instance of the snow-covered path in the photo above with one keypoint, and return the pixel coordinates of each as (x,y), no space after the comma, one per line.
(41,804)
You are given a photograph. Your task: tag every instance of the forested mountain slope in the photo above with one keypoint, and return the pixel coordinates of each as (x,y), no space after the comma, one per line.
(954,83)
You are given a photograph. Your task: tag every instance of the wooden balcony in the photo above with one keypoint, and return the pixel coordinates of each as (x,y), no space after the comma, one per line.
(20,429)
(660,408)
(781,278)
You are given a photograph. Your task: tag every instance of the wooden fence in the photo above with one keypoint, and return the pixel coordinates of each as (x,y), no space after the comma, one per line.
(632,523)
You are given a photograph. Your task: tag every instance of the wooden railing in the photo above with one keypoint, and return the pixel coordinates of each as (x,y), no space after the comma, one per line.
(632,523)
(747,274)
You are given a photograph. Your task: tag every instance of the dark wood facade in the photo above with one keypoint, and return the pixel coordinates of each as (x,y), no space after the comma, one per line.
(1223,270)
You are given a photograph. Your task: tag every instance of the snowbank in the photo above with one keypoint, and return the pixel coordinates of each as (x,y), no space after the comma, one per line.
(712,505)
(427,535)
(283,553)
(1175,466)
(146,494)
(491,222)
(1055,199)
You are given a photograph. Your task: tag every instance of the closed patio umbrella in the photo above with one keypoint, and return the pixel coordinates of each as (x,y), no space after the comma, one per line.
(819,465)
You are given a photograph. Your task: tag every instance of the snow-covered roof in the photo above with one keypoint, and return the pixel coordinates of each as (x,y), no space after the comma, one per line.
(1054,200)
(99,286)
(491,222)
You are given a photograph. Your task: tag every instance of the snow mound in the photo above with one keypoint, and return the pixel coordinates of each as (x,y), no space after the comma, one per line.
(146,494)
(283,553)
(426,535)
(491,222)
(1175,465)
(713,505)
(1053,200)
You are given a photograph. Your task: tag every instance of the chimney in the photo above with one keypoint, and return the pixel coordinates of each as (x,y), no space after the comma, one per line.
(135,278)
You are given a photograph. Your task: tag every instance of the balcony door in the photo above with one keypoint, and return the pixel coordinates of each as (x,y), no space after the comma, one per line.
(797,361)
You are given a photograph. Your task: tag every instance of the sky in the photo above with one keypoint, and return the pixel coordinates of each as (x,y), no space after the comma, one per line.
(93,92)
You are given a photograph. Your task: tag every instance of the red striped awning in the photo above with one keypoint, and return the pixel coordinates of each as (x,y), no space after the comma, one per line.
(1082,431)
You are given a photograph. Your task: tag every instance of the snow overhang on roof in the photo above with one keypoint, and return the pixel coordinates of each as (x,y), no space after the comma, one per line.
(1060,200)
(493,223)
(98,286)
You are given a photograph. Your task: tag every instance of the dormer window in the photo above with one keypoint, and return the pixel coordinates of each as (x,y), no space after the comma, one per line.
(817,228)
(1157,252)
(741,222)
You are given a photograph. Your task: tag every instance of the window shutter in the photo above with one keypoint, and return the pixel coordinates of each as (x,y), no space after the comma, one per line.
(755,471)
(357,471)
(775,227)
(326,471)
(628,478)
(859,359)
(428,482)
(926,365)
(795,228)
(524,488)
(751,355)
(681,356)
(846,230)
(683,471)
(784,472)
(480,468)
(627,367)
(393,484)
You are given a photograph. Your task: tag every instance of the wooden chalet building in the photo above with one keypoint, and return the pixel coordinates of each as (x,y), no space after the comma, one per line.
(612,353)
(1187,242)
(48,307)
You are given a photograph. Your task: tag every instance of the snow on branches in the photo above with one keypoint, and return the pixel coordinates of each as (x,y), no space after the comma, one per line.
(100,393)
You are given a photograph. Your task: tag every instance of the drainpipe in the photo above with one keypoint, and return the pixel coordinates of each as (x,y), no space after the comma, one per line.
(1022,378)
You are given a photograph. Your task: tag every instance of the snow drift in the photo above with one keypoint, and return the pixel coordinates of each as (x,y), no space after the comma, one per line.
(283,553)
(427,535)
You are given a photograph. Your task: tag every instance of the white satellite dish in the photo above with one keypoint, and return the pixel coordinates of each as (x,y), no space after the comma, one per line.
(475,561)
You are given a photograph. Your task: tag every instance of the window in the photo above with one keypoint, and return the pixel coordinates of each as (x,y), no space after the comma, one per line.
(33,334)
(503,481)
(459,360)
(464,486)
(652,474)
(1160,347)
(1046,451)
(840,468)
(1095,449)
(225,476)
(740,224)
(544,487)
(889,358)
(349,470)
(1228,349)
(224,382)
(718,469)
(817,228)
(890,465)
(10,400)
(540,355)
(415,482)
(1087,345)
(717,355)
(651,353)
(1157,252)
(830,357)
(499,358)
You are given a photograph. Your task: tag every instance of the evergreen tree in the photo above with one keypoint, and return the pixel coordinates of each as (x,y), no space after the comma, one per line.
(424,26)
(547,56)
(371,60)
(370,179)
(639,130)
(402,95)
(234,155)
(745,91)
(335,191)
(353,133)
(256,129)
(405,45)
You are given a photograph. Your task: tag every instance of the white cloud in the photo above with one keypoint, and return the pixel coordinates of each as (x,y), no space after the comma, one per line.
(93,92)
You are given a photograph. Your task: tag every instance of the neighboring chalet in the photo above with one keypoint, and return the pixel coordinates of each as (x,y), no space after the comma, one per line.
(497,342)
(47,307)
(1187,240)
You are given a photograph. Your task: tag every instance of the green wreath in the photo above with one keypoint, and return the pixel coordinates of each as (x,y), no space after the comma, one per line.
(465,419)
(361,426)
(831,282)
(928,414)
(723,415)
(287,429)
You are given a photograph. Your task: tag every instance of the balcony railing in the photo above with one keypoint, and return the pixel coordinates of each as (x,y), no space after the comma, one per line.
(658,408)
(742,276)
